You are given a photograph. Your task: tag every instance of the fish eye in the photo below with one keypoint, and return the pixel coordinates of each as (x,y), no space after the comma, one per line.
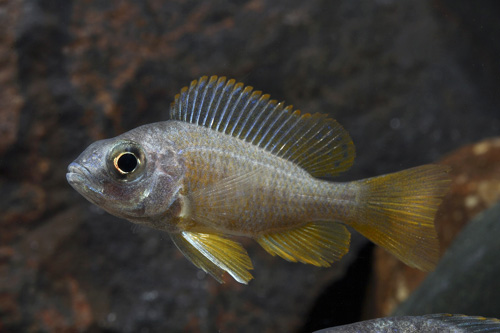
(127,161)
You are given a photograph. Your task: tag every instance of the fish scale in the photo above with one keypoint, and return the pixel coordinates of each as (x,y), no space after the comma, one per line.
(277,189)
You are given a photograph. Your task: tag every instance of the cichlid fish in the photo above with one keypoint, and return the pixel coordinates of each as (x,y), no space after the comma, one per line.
(233,162)
(416,324)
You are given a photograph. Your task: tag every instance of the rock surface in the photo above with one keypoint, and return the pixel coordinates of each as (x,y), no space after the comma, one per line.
(402,77)
(475,172)
(466,279)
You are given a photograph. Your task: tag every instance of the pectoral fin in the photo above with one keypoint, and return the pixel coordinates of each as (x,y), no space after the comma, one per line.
(316,243)
(215,254)
(225,199)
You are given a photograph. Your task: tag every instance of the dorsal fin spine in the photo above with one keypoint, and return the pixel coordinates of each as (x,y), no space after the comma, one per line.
(221,84)
(241,96)
(202,101)
(226,102)
(285,113)
(190,101)
(265,116)
(263,99)
(274,115)
(206,93)
(194,100)
(248,90)
(220,103)
(184,105)
(212,100)
(235,95)
(198,99)
(176,112)
(285,139)
(253,97)
(287,136)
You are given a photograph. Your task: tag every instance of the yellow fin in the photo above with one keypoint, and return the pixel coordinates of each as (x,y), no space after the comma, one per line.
(316,243)
(397,212)
(316,143)
(215,254)
(197,258)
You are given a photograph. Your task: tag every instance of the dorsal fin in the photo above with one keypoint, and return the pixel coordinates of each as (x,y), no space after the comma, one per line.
(316,143)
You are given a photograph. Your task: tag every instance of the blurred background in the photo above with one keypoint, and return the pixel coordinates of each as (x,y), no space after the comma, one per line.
(413,82)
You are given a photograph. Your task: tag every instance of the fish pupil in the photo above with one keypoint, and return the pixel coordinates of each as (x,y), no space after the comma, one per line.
(126,162)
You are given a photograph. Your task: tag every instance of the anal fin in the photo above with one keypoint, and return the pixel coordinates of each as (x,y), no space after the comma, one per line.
(215,254)
(316,243)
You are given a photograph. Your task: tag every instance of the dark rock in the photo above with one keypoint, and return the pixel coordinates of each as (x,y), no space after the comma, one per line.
(416,324)
(72,72)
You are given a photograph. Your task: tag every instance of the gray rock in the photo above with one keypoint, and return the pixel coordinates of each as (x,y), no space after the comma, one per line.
(466,279)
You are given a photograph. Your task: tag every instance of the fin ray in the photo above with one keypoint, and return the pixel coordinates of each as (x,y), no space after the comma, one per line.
(197,258)
(315,142)
(223,191)
(397,212)
(215,254)
(316,243)
(222,200)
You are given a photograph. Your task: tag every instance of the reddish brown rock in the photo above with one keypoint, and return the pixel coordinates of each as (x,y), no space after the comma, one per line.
(11,100)
(475,186)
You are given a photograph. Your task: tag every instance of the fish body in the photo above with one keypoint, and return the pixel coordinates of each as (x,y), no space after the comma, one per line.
(273,194)
(426,323)
(232,162)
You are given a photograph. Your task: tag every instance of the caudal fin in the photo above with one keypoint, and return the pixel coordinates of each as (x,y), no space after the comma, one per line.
(397,212)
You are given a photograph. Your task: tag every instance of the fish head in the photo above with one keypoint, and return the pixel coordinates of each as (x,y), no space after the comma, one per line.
(133,176)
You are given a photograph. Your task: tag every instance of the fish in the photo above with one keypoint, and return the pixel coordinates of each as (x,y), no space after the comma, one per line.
(231,161)
(442,322)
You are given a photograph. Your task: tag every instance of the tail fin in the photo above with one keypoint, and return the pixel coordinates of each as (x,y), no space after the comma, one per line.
(397,212)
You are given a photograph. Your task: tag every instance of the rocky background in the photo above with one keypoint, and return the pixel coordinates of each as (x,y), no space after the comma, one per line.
(411,81)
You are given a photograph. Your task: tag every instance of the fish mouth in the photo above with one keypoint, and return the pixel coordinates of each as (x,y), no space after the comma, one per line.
(77,174)
(79,178)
